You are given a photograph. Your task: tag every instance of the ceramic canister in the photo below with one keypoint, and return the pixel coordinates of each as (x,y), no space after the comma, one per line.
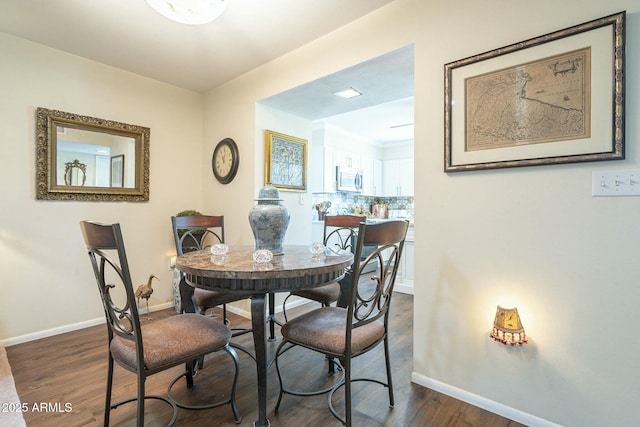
(269,220)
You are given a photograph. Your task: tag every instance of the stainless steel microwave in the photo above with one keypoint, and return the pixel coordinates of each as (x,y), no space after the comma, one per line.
(348,179)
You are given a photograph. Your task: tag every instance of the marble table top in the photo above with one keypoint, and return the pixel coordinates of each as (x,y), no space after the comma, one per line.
(295,269)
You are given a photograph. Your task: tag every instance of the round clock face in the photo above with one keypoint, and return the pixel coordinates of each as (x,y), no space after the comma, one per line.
(225,160)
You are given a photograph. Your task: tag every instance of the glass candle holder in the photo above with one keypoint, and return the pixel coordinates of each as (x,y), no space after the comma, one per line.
(317,251)
(262,256)
(219,249)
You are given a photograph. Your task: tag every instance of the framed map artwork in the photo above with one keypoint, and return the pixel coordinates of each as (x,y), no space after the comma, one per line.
(557,98)
(285,161)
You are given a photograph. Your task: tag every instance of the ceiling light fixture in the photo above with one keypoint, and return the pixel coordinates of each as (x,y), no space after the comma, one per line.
(190,12)
(348,93)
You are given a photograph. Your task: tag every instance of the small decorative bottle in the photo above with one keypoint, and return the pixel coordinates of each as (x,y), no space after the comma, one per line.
(269,220)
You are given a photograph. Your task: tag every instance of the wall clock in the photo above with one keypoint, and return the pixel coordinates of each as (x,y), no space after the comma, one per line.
(225,161)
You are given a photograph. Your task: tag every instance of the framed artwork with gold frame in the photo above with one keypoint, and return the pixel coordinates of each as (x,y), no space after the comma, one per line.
(285,161)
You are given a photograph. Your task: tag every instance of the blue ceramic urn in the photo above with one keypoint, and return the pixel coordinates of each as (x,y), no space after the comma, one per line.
(269,220)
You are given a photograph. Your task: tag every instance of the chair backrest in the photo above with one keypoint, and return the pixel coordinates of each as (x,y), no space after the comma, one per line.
(341,231)
(370,300)
(109,261)
(195,232)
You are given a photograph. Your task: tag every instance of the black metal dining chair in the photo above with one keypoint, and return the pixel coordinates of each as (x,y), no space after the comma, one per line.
(344,333)
(193,233)
(339,234)
(158,344)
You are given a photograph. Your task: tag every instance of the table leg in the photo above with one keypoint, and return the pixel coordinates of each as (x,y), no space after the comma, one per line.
(260,345)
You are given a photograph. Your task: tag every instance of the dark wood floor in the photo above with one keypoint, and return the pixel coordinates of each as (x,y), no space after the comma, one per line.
(71,369)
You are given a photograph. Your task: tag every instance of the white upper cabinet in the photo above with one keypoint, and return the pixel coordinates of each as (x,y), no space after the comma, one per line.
(398,177)
(371,176)
(347,159)
(329,170)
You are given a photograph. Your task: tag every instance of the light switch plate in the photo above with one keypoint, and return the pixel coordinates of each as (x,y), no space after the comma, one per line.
(616,183)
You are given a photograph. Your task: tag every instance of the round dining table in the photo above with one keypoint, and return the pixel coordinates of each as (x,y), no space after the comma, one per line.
(298,268)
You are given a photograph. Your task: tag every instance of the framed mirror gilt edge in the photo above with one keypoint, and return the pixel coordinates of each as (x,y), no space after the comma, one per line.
(47,187)
(539,74)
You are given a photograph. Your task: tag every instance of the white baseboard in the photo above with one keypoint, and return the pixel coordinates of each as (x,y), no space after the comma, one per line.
(403,288)
(67,328)
(482,402)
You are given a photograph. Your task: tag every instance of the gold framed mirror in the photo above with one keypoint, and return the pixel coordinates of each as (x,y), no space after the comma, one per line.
(90,159)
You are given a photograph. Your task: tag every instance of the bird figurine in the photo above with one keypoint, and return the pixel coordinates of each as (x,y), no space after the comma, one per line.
(145,290)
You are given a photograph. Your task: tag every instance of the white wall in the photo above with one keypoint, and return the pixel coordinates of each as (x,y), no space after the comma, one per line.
(299,230)
(531,237)
(47,281)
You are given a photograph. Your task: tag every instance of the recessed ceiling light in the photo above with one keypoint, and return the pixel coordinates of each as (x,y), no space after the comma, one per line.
(347,93)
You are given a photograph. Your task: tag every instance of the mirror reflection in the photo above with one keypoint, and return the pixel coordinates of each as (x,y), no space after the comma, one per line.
(102,154)
(86,158)
(75,173)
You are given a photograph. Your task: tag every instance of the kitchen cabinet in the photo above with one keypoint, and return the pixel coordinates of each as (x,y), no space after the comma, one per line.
(329,185)
(398,177)
(348,159)
(334,157)
(371,176)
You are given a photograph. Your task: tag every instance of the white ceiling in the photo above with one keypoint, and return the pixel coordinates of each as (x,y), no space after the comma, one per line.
(384,112)
(128,34)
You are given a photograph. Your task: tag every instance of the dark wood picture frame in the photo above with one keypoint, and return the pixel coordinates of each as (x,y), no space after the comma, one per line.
(521,104)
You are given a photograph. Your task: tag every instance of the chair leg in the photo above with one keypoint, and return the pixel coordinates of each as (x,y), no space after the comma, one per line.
(202,311)
(277,407)
(188,376)
(347,391)
(201,363)
(332,364)
(224,400)
(387,361)
(107,406)
(225,320)
(236,415)
(140,416)
(284,308)
(186,297)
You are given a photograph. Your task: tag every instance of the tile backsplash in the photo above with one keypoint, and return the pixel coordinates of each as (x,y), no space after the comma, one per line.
(350,203)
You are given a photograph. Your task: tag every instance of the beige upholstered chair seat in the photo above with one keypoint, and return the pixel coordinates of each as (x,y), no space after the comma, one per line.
(177,338)
(325,294)
(324,330)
